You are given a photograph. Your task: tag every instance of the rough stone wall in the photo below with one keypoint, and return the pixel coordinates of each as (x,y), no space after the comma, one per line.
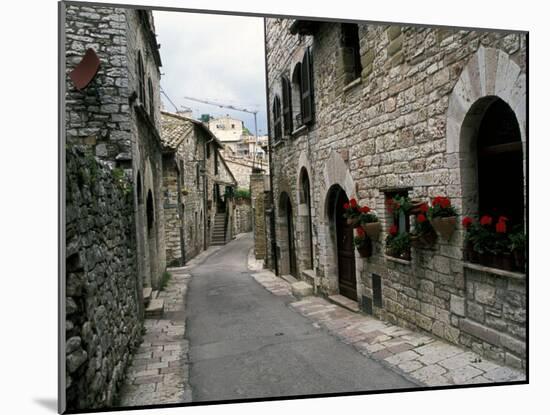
(99,115)
(258,198)
(172,210)
(242,216)
(146,156)
(242,169)
(103,323)
(389,130)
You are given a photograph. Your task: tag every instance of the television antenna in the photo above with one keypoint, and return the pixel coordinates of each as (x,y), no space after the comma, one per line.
(234,108)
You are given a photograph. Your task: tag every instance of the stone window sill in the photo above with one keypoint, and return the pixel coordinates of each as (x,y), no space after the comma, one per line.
(277,143)
(299,131)
(495,271)
(352,84)
(398,260)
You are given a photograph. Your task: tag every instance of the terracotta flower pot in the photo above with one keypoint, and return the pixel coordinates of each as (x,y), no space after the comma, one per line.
(445,227)
(372,230)
(424,240)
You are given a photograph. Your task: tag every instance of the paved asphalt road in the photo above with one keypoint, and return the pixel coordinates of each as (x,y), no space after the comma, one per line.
(246,343)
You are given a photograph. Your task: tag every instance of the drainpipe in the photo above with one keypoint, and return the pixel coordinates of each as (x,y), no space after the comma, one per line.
(205,196)
(269,145)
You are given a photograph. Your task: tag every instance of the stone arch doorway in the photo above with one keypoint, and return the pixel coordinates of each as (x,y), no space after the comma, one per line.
(304,216)
(150,209)
(341,234)
(286,239)
(490,95)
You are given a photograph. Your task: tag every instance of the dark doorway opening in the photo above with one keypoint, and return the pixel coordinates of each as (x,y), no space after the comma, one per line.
(347,283)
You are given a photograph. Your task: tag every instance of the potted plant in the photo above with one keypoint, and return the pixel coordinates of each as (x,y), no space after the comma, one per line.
(398,204)
(423,235)
(489,240)
(351,212)
(469,254)
(398,244)
(362,243)
(369,222)
(517,247)
(443,216)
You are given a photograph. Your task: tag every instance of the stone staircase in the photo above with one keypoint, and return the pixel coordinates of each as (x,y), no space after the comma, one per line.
(218,232)
(154,306)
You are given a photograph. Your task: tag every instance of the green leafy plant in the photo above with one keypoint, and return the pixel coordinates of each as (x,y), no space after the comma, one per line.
(398,204)
(164,279)
(517,240)
(366,215)
(398,244)
(242,193)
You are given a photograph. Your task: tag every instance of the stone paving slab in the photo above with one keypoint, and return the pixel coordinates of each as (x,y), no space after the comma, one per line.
(159,373)
(422,358)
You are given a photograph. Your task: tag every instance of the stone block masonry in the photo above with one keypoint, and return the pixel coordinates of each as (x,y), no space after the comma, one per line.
(103,324)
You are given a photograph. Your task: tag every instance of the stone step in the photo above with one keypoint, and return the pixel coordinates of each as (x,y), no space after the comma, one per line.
(301,289)
(309,276)
(155,309)
(147,291)
(154,294)
(344,302)
(289,278)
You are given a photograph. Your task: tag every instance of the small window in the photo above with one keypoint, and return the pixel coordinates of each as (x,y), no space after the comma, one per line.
(287,106)
(277,130)
(151,99)
(398,218)
(350,52)
(233,126)
(141,79)
(182,173)
(307,88)
(216,162)
(198,169)
(296,95)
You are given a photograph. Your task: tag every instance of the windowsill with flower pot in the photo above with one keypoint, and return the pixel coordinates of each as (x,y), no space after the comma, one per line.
(494,271)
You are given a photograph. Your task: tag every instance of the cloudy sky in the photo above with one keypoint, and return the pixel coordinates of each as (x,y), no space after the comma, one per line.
(216,58)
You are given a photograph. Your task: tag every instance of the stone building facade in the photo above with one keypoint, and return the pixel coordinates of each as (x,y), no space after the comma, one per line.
(112,125)
(197,187)
(117,115)
(369,111)
(103,324)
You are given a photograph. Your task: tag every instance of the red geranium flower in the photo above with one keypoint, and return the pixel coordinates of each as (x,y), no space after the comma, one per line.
(393,230)
(346,206)
(501,227)
(486,220)
(467,221)
(423,207)
(441,201)
(365,209)
(353,203)
(421,218)
(360,231)
(502,219)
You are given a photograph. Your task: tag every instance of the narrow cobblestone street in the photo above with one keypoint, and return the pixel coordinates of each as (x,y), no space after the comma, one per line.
(240,334)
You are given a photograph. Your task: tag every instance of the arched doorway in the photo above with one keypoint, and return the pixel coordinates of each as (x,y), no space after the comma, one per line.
(286,237)
(150,212)
(342,233)
(305,201)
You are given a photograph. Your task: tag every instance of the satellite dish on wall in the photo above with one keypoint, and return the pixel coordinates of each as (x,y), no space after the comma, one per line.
(85,71)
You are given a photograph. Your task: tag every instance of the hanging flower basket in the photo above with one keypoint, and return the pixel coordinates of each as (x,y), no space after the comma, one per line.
(424,240)
(445,226)
(372,230)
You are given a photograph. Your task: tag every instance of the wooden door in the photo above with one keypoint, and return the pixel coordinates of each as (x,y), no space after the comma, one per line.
(346,254)
(291,245)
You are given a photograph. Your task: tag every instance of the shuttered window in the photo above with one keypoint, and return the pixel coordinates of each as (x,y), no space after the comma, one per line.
(287,106)
(307,89)
(151,100)
(141,79)
(277,128)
